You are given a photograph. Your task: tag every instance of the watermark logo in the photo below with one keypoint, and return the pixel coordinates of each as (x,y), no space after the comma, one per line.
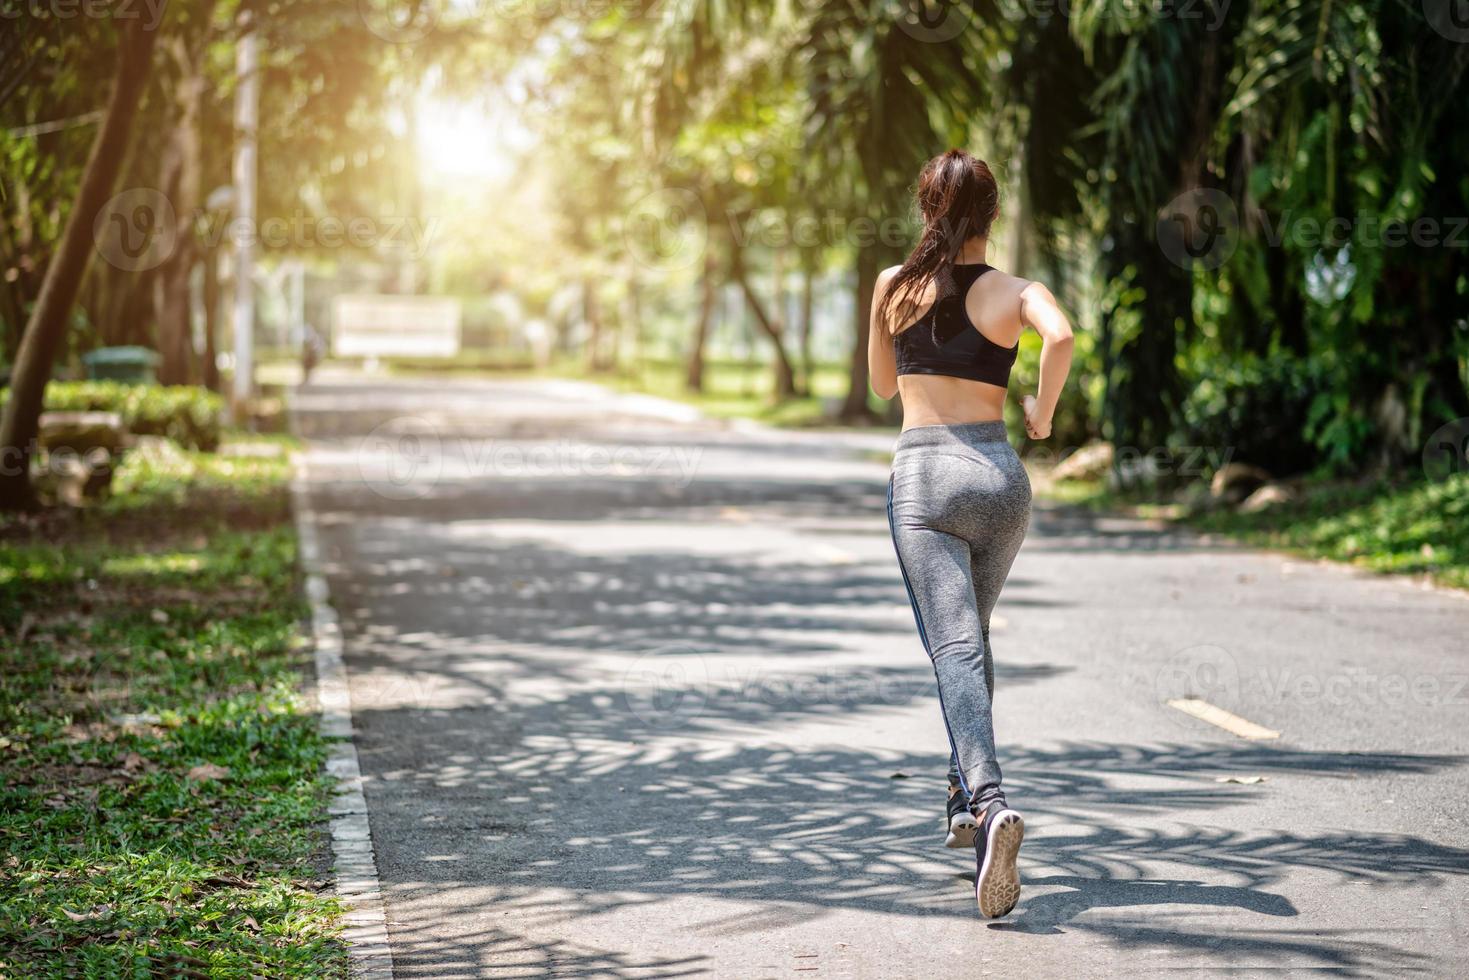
(666,689)
(1446,453)
(405,456)
(149,11)
(1449,18)
(1198,228)
(933,21)
(667,229)
(400,21)
(1205,672)
(401,459)
(136,230)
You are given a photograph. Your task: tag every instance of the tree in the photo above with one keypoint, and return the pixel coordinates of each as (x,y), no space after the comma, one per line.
(48,320)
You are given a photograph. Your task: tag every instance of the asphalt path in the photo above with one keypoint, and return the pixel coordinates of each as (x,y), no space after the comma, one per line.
(639,695)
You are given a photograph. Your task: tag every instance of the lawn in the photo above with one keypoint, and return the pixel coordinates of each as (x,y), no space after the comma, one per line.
(163,796)
(1419,528)
(1415,527)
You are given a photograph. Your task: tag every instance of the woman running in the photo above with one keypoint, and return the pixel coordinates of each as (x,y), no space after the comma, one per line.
(945,330)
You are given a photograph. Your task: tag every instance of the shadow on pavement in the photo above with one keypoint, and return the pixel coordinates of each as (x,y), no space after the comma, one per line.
(543,746)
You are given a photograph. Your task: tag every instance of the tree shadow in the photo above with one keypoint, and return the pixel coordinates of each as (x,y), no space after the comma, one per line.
(556,727)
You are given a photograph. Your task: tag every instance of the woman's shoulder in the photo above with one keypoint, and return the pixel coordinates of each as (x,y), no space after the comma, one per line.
(1008,281)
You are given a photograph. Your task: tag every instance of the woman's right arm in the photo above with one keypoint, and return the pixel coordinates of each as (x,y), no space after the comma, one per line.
(882,368)
(1039,310)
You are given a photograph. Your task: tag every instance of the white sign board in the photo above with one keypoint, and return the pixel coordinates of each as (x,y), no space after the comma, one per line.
(395,326)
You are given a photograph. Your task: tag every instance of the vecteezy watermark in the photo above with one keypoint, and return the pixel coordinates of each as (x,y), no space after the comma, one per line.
(934,21)
(401,21)
(1136,12)
(1367,688)
(1198,228)
(149,11)
(402,458)
(405,457)
(667,229)
(409,21)
(776,229)
(1446,453)
(1206,671)
(1132,465)
(138,229)
(1365,229)
(670,228)
(1450,18)
(1209,672)
(668,688)
(56,460)
(937,21)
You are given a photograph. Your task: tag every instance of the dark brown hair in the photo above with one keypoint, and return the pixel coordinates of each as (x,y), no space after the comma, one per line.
(958,199)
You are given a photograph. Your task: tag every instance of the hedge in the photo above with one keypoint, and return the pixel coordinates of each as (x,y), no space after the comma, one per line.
(189,415)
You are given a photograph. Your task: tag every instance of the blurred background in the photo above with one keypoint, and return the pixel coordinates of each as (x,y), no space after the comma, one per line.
(1255,211)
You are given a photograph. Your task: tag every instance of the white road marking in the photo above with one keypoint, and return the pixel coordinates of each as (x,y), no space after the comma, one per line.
(1227,720)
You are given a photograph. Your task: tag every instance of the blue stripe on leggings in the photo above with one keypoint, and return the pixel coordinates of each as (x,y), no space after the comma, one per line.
(923,636)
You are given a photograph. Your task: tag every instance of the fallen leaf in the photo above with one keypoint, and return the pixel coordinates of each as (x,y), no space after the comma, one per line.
(133,762)
(230,881)
(1242,780)
(208,770)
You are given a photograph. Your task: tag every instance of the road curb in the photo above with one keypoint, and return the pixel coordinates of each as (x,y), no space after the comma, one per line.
(354,864)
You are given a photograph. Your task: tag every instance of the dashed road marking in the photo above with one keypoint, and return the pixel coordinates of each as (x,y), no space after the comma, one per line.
(1227,720)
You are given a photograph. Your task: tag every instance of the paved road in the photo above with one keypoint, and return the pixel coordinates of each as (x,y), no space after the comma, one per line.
(640,696)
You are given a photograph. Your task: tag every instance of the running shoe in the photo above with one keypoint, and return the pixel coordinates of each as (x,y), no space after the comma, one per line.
(996,846)
(959,823)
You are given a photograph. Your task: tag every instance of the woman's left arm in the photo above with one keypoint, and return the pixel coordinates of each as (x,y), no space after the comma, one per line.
(1039,310)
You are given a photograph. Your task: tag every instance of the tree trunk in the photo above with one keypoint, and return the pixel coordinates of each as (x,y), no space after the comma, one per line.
(19,255)
(635,313)
(854,407)
(694,370)
(592,313)
(180,180)
(785,373)
(210,299)
(808,305)
(48,321)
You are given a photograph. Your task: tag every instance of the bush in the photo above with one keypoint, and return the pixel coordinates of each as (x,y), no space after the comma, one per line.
(1257,407)
(190,416)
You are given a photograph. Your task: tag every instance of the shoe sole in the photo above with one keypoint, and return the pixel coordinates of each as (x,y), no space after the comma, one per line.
(962,829)
(997,885)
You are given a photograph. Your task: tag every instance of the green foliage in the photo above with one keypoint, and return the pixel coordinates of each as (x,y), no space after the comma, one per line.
(1416,527)
(1255,407)
(192,417)
(161,772)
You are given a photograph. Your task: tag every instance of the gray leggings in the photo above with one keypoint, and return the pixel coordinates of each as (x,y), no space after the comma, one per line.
(959,506)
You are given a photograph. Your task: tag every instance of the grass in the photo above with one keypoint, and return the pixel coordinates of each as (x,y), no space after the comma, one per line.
(161,784)
(1416,528)
(1419,528)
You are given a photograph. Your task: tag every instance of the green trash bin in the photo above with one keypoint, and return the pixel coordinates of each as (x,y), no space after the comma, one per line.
(132,365)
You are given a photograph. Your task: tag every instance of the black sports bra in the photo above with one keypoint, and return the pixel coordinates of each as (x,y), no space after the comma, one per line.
(943,341)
